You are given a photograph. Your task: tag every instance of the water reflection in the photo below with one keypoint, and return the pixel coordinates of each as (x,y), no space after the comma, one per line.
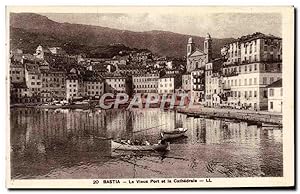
(69,144)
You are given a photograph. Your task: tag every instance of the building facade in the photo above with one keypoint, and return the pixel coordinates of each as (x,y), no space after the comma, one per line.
(250,66)
(73,86)
(53,85)
(197,58)
(116,83)
(198,85)
(275,96)
(145,83)
(168,84)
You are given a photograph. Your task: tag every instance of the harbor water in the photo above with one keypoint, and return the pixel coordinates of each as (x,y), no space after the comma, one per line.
(71,144)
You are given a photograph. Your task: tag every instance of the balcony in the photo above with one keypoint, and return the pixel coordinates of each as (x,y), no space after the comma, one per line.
(230,74)
(226,87)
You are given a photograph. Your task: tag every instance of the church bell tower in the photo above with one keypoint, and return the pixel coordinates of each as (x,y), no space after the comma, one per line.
(190,46)
(208,47)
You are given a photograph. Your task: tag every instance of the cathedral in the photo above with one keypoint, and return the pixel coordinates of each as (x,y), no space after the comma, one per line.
(196,58)
(194,79)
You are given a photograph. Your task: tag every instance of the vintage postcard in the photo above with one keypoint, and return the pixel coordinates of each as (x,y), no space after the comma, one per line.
(150,97)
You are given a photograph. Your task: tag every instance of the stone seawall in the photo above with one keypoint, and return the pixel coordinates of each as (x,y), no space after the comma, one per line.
(259,117)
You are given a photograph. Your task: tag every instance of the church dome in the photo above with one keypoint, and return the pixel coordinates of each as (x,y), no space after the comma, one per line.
(190,40)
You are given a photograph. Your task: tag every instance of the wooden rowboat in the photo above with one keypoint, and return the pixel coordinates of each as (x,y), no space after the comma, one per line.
(176,133)
(128,147)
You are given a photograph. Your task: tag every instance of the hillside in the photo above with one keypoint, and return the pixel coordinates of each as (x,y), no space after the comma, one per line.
(36,29)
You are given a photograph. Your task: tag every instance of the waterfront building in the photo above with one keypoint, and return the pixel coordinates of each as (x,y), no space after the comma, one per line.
(245,78)
(256,47)
(93,84)
(213,83)
(198,85)
(145,83)
(117,83)
(275,96)
(53,85)
(168,83)
(186,82)
(33,79)
(16,72)
(73,86)
(19,93)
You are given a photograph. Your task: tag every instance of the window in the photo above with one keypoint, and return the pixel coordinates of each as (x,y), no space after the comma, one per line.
(271,105)
(239,82)
(255,81)
(250,93)
(265,94)
(255,66)
(281,92)
(245,68)
(271,80)
(246,94)
(265,48)
(250,81)
(264,80)
(271,92)
(255,93)
(245,83)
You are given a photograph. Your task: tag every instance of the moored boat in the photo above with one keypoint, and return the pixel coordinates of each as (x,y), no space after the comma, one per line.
(176,133)
(128,147)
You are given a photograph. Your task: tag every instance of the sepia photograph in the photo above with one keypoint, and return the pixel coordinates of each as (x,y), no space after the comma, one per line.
(150,97)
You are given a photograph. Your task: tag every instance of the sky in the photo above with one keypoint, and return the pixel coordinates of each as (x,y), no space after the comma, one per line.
(220,25)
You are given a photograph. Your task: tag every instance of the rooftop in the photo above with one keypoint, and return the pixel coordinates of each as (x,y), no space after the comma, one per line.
(276,84)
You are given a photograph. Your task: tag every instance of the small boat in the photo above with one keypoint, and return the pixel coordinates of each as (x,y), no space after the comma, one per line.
(128,147)
(179,132)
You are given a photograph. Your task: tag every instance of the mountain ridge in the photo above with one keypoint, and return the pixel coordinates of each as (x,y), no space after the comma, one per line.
(160,42)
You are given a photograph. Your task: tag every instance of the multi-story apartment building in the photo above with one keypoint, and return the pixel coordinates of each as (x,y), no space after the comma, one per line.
(19,93)
(251,65)
(73,86)
(93,84)
(17,72)
(198,85)
(128,70)
(275,96)
(33,79)
(253,48)
(53,85)
(167,84)
(186,82)
(145,83)
(116,83)
(213,83)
